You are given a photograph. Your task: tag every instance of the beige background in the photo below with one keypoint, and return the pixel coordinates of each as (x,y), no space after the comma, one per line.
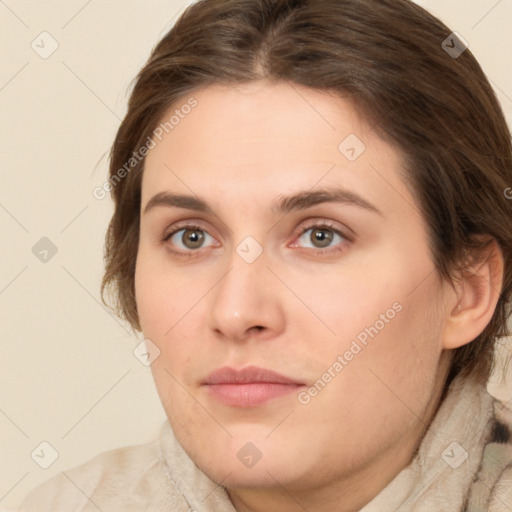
(67,372)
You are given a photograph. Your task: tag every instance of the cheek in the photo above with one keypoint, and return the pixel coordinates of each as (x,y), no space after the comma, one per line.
(384,320)
(397,367)
(169,306)
(160,307)
(154,305)
(161,296)
(386,372)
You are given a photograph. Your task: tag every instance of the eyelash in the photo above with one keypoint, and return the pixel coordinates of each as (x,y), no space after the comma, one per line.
(299,233)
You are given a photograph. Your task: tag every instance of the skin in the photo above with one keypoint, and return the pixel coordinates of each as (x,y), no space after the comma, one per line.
(295,309)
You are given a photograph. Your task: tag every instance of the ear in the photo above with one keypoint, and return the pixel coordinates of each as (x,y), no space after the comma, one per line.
(472,300)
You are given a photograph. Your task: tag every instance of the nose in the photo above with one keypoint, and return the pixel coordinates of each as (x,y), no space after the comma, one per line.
(246,303)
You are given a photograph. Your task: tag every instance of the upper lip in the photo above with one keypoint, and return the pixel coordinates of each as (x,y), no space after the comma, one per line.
(228,375)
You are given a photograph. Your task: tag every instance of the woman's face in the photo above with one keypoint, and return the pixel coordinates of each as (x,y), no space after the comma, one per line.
(291,245)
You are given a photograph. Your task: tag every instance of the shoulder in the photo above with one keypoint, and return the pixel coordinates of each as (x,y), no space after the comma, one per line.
(126,478)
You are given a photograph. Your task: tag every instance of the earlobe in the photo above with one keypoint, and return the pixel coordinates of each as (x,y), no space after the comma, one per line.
(477,292)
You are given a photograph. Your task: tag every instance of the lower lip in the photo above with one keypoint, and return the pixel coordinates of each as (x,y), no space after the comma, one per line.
(251,394)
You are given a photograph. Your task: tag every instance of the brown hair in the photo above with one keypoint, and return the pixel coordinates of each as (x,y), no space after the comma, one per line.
(387,56)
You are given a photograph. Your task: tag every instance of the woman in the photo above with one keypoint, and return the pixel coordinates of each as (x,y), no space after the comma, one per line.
(313,232)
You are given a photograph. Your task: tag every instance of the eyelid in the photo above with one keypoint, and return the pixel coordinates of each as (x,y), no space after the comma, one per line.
(323,224)
(185,224)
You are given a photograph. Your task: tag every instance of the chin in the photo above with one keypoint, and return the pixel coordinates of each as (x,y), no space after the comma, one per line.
(266,473)
(251,459)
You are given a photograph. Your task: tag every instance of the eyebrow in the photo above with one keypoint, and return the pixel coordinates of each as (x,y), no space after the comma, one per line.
(285,204)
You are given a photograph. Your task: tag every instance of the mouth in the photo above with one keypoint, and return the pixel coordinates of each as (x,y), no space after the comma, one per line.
(249,387)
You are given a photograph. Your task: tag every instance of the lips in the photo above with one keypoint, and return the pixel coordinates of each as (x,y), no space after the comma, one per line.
(250,386)
(250,374)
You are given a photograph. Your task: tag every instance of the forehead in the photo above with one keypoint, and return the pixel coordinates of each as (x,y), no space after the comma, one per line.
(235,122)
(265,139)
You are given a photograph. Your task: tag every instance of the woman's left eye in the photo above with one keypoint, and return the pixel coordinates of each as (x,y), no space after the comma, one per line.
(321,237)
